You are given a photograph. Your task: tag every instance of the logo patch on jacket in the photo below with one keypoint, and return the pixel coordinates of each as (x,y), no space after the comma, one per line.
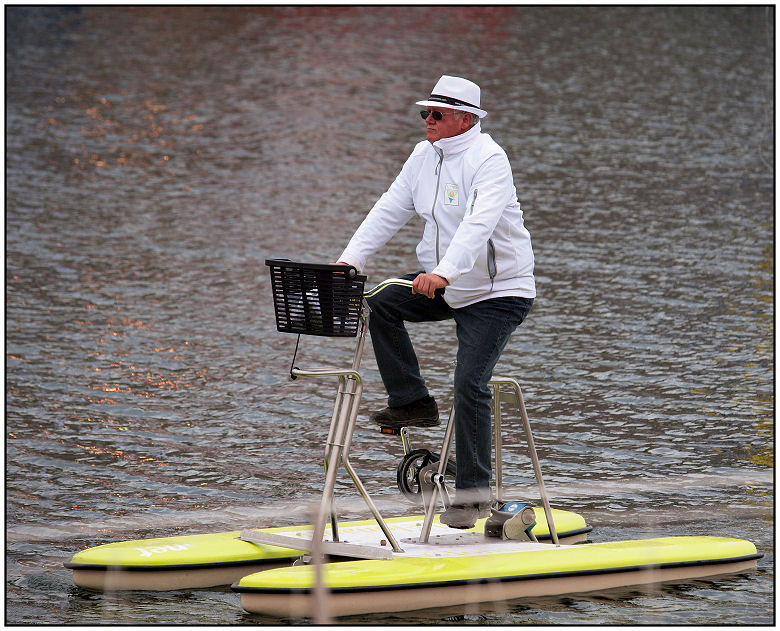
(451,194)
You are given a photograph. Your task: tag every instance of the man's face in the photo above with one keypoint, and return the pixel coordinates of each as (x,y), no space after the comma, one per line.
(450,125)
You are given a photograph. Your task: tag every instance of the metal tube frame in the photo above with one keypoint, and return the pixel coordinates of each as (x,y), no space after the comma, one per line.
(345,411)
(516,396)
(497,382)
(445,454)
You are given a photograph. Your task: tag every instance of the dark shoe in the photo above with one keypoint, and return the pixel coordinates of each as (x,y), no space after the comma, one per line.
(422,413)
(464,516)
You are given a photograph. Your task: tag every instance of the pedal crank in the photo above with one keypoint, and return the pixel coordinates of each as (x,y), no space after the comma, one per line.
(430,481)
(403,432)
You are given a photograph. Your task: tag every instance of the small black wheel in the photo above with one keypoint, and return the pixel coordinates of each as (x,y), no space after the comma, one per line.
(409,468)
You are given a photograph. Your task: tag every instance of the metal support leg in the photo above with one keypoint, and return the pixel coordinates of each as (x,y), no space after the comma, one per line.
(497,440)
(333,451)
(345,411)
(340,439)
(356,480)
(336,424)
(518,399)
(430,509)
(333,454)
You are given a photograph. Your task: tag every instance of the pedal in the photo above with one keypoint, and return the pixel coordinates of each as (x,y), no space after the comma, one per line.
(403,432)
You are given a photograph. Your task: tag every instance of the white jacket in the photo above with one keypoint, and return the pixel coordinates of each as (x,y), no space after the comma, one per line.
(474,235)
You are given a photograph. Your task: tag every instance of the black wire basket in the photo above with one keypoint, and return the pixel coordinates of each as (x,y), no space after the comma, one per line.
(316,299)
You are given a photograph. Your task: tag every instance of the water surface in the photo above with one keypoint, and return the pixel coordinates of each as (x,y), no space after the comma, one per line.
(157,156)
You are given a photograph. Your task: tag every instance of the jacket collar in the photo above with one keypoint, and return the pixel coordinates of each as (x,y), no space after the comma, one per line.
(461,142)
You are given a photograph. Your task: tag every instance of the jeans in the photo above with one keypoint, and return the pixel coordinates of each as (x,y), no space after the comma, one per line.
(482,329)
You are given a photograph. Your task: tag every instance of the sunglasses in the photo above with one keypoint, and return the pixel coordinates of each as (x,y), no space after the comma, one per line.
(437,116)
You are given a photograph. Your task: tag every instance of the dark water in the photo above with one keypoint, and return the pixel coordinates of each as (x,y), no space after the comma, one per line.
(157,156)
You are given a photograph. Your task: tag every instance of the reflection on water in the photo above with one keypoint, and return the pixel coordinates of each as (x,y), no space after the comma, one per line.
(156,156)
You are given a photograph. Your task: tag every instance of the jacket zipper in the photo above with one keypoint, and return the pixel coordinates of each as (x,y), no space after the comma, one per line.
(435,197)
(491,262)
(473,201)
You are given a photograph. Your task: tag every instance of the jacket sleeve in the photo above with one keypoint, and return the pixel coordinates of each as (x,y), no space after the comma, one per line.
(491,191)
(389,214)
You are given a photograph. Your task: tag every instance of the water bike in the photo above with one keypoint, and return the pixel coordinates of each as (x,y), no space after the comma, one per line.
(399,563)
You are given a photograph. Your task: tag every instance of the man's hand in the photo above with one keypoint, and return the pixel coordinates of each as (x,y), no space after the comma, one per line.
(427,284)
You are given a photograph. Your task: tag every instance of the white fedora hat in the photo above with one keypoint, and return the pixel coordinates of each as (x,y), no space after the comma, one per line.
(456,93)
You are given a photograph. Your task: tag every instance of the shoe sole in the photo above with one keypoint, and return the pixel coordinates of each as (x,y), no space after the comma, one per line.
(460,527)
(412,424)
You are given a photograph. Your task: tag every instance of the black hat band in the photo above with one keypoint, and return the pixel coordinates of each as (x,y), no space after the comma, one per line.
(450,101)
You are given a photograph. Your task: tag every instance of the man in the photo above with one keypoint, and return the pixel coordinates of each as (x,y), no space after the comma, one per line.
(475,245)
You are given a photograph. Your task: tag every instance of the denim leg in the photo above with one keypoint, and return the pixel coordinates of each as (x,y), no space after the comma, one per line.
(393,349)
(483,330)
